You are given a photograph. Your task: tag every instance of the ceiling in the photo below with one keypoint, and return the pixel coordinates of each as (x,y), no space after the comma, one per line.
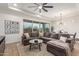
(64,8)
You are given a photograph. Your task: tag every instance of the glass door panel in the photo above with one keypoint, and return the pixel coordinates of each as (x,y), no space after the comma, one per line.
(27,27)
(35,27)
(46,27)
(41,27)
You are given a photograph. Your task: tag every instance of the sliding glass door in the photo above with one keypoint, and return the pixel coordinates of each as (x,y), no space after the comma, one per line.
(32,26)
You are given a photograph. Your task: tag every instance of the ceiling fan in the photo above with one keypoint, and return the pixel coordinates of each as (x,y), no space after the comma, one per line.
(41,7)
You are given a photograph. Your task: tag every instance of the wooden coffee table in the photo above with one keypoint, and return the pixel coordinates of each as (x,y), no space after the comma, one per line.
(33,43)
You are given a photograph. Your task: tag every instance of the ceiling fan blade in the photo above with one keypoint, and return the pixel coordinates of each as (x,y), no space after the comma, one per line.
(44,3)
(40,10)
(32,6)
(36,4)
(36,9)
(48,6)
(44,9)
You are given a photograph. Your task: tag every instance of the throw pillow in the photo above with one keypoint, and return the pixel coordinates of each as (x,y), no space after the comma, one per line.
(71,36)
(40,34)
(27,35)
(63,39)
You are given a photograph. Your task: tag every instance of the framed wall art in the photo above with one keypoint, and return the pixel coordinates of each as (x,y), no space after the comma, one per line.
(11,27)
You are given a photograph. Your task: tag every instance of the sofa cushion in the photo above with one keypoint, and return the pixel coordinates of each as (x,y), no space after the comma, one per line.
(54,35)
(34,34)
(47,34)
(65,35)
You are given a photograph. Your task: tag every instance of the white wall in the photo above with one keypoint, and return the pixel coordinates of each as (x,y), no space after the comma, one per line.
(10,38)
(70,24)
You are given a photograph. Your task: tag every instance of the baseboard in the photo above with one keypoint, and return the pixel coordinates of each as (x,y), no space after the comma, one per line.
(12,42)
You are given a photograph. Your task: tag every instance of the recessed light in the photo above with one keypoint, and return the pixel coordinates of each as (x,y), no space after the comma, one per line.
(15,4)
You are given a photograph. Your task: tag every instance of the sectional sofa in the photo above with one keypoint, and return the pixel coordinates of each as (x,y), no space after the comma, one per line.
(54,44)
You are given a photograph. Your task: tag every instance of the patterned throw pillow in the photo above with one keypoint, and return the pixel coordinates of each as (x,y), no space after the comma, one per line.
(63,39)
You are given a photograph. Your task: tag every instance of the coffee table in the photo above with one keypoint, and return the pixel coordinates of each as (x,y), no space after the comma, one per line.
(34,42)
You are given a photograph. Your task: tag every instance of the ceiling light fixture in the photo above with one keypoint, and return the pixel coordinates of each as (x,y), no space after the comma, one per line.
(40,7)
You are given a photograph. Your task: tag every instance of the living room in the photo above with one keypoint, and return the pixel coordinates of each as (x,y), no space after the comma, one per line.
(35,29)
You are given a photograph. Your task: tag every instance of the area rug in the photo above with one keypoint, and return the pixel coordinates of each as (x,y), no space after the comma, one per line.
(24,51)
